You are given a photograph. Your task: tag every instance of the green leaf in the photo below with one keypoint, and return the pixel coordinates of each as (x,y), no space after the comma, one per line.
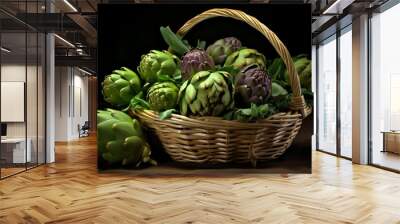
(201,44)
(174,41)
(228,115)
(254,111)
(278,90)
(281,102)
(138,103)
(263,110)
(246,112)
(166,114)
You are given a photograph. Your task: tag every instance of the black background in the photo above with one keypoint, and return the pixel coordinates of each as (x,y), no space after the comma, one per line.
(125,32)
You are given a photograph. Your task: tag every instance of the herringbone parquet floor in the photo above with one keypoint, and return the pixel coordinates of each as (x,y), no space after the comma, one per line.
(72,191)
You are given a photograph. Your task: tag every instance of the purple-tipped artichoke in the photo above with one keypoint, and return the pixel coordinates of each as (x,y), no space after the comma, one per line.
(194,61)
(222,48)
(253,85)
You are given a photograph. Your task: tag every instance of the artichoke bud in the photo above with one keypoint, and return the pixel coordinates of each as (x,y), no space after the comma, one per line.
(204,96)
(156,64)
(303,68)
(120,138)
(245,57)
(120,87)
(194,61)
(162,96)
(222,48)
(253,85)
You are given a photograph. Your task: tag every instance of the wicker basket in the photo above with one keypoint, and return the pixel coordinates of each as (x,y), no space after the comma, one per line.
(214,140)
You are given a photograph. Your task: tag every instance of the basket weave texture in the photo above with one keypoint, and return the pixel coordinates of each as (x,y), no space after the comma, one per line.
(214,140)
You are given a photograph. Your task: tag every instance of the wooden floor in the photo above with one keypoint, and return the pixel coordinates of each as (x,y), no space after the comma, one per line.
(10,171)
(72,191)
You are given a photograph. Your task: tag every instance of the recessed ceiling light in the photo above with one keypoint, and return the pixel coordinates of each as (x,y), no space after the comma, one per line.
(5,50)
(64,40)
(70,5)
(84,71)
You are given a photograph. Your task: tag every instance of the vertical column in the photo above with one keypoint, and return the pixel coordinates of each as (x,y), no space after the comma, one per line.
(360,90)
(50,92)
(314,88)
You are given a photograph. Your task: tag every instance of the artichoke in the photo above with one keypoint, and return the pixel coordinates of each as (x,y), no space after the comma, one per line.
(120,86)
(303,68)
(302,65)
(206,93)
(244,57)
(194,61)
(158,65)
(162,96)
(120,139)
(222,48)
(252,85)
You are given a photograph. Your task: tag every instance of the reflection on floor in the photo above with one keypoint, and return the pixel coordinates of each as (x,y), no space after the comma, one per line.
(73,191)
(9,170)
(386,159)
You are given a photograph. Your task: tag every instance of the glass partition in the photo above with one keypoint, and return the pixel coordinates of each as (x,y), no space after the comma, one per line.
(326,93)
(14,146)
(23,88)
(385,89)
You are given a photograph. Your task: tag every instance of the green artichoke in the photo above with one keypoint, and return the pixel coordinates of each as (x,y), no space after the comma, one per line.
(120,86)
(222,48)
(252,86)
(158,65)
(303,68)
(302,65)
(206,93)
(162,96)
(120,139)
(244,57)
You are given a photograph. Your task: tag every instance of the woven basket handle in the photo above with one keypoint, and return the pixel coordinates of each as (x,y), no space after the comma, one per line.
(298,102)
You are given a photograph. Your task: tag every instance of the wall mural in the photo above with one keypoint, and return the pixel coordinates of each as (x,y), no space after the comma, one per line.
(205,86)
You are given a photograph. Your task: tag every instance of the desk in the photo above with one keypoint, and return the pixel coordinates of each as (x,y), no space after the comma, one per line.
(391,141)
(13,150)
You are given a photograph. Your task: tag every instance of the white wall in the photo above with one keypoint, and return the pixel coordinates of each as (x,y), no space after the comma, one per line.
(62,81)
(71,102)
(16,72)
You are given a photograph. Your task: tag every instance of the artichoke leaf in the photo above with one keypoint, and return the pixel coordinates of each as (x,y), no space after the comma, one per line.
(166,114)
(121,116)
(114,151)
(190,93)
(124,129)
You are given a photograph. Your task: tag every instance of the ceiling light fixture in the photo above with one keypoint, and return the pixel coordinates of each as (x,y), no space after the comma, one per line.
(5,50)
(70,5)
(332,9)
(84,71)
(64,40)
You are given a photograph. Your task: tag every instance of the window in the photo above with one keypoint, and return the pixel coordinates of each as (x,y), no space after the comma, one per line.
(385,88)
(346,95)
(326,136)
